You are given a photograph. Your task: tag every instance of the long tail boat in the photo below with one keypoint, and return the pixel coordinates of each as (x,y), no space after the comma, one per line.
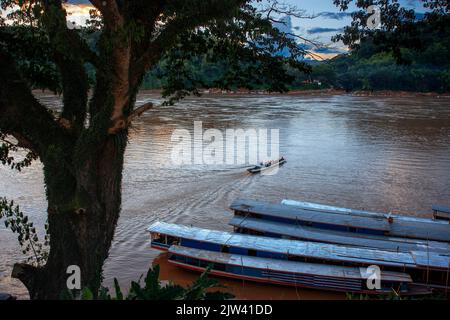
(263,167)
(427,269)
(354,222)
(267,228)
(288,273)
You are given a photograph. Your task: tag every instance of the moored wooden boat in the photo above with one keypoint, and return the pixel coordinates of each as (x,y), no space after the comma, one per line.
(291,231)
(374,224)
(288,273)
(428,269)
(441,212)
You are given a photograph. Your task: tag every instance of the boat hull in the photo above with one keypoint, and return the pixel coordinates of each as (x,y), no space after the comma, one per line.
(160,246)
(293,274)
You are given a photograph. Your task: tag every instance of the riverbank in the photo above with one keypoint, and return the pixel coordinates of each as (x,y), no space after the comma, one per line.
(296,92)
(324,92)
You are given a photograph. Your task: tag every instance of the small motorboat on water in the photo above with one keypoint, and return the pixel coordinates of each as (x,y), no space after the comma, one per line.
(266,165)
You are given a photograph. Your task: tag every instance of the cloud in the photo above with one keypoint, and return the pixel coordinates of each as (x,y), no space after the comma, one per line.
(323,30)
(78,10)
(329,50)
(335,15)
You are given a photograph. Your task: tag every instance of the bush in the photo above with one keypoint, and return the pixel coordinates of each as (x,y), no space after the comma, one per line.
(151,289)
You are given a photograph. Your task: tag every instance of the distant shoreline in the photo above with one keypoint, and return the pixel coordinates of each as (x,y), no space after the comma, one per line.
(296,92)
(324,92)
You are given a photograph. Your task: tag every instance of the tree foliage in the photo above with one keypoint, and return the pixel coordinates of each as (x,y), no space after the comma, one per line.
(371,68)
(400,27)
(36,252)
(408,51)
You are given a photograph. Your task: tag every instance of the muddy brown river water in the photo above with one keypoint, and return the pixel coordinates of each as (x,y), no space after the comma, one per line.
(376,153)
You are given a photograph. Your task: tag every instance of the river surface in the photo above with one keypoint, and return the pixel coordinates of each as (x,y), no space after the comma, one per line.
(376,153)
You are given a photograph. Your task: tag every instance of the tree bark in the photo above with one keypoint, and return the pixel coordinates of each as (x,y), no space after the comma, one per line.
(81,223)
(82,173)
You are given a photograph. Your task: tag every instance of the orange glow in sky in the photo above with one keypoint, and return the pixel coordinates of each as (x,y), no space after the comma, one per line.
(80,10)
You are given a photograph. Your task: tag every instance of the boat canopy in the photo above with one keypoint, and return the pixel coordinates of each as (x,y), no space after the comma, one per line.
(413,259)
(338,237)
(332,209)
(441,212)
(441,208)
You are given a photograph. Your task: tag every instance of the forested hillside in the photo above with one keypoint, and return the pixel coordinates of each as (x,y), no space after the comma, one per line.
(422,64)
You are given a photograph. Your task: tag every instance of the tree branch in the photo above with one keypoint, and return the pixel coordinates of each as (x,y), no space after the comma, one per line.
(280,8)
(117,38)
(67,46)
(123,123)
(110,12)
(140,110)
(23,142)
(193,17)
(21,115)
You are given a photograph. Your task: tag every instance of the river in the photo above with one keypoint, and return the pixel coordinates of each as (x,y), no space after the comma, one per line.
(376,153)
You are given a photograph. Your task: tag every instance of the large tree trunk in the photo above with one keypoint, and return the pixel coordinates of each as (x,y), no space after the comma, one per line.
(82,219)
(82,171)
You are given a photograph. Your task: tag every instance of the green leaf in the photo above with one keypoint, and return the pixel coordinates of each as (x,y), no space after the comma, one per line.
(86,294)
(119,295)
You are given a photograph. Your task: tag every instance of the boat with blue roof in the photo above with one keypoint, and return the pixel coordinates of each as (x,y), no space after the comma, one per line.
(427,270)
